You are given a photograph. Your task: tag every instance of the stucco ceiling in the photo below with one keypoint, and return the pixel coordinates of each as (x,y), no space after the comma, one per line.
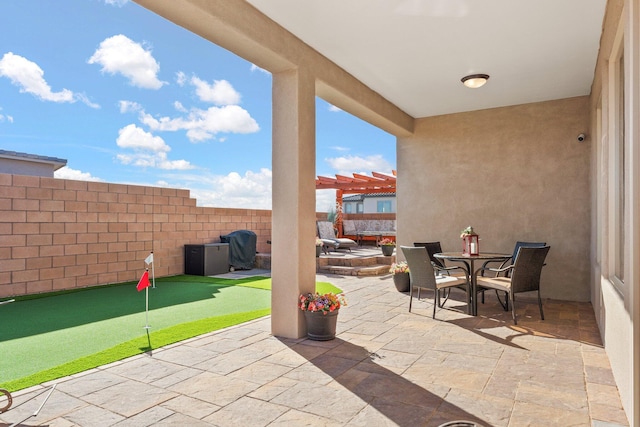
(414,52)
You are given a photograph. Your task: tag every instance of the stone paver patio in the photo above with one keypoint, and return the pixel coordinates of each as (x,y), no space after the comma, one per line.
(387,367)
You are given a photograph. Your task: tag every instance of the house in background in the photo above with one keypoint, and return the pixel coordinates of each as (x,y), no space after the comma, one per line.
(12,162)
(369,203)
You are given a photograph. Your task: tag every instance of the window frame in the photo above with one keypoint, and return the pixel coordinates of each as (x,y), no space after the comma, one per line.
(618,158)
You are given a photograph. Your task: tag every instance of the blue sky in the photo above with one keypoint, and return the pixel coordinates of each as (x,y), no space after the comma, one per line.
(128,97)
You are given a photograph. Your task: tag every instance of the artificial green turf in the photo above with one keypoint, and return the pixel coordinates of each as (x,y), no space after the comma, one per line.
(59,334)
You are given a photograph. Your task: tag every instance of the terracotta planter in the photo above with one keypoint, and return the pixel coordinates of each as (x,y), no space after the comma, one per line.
(401,280)
(321,327)
(387,250)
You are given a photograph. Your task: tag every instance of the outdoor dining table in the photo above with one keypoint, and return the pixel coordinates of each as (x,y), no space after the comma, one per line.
(469,263)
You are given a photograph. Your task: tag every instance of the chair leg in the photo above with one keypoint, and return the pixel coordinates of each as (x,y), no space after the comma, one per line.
(505,304)
(540,305)
(436,299)
(447,293)
(411,296)
(513,307)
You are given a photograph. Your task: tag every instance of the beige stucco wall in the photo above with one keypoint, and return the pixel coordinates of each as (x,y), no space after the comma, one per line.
(513,173)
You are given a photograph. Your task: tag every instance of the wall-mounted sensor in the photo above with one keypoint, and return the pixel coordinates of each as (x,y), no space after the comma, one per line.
(581,137)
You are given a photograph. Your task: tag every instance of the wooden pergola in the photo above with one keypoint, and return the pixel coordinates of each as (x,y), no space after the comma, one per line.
(356,184)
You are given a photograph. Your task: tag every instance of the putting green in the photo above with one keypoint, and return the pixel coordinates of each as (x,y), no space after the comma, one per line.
(100,325)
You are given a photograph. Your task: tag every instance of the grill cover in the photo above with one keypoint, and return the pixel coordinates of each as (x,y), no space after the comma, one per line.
(242,248)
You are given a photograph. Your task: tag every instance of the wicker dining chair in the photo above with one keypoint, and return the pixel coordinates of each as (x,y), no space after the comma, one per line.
(505,271)
(519,244)
(432,248)
(438,264)
(423,276)
(524,276)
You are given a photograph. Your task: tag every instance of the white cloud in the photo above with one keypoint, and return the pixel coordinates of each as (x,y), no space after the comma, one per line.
(154,160)
(347,165)
(340,148)
(149,150)
(250,191)
(129,106)
(220,92)
(66,172)
(136,138)
(334,109)
(254,67)
(118,3)
(5,118)
(121,55)
(181,78)
(202,125)
(325,200)
(85,100)
(29,77)
(179,107)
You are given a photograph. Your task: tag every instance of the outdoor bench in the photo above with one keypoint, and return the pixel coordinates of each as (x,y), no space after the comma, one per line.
(369,229)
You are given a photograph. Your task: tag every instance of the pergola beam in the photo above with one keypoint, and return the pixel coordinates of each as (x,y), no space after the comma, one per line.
(357,184)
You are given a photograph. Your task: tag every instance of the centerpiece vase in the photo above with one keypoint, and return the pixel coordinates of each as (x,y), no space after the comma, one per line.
(320,326)
(401,280)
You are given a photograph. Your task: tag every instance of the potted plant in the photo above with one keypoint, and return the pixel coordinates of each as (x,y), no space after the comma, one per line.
(401,279)
(318,247)
(321,314)
(387,246)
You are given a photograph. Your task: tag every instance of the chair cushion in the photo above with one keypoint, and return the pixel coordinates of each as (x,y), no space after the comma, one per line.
(331,243)
(499,283)
(449,281)
(345,243)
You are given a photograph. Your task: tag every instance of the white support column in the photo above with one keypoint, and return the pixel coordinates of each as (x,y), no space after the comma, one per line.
(293,262)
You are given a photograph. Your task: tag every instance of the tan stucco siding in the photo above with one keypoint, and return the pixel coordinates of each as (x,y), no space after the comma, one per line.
(513,173)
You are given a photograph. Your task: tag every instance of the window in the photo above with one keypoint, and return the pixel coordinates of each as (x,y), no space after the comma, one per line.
(348,208)
(360,208)
(618,156)
(384,206)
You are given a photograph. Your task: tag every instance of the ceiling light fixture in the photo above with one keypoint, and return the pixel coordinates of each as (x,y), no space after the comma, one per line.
(475,81)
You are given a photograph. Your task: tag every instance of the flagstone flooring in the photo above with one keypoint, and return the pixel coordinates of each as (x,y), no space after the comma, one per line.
(387,367)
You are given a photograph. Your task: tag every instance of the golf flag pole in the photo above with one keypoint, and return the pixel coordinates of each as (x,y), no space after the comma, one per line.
(146,309)
(143,283)
(149,260)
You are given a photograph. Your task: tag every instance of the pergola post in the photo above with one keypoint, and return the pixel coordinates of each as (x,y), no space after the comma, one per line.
(338,224)
(358,184)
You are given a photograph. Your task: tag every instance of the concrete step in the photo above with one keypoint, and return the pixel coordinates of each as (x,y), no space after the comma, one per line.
(368,270)
(356,261)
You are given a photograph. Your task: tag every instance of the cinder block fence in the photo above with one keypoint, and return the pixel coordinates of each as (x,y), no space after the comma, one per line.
(62,234)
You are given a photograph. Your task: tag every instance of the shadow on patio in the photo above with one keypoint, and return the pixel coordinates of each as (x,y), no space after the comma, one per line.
(386,367)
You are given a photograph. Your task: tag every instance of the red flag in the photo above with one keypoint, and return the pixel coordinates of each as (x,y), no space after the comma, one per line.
(144,281)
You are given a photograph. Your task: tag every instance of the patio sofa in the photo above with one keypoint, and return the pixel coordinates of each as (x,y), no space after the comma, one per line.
(369,229)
